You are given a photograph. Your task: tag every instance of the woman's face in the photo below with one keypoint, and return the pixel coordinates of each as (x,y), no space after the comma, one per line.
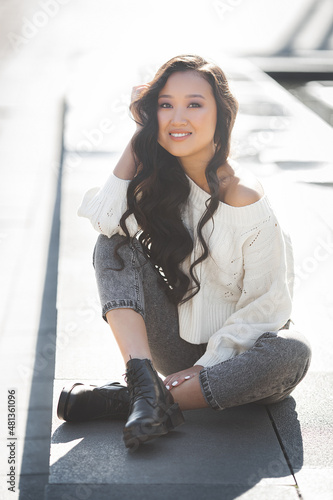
(186,114)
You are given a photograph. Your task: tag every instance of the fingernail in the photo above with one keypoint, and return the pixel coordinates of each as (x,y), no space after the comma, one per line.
(175,382)
(187,377)
(168,387)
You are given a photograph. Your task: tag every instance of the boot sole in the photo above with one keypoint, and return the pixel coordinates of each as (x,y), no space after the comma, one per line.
(63,402)
(146,431)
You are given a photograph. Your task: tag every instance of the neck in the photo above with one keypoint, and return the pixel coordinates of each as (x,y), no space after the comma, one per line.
(198,176)
(195,168)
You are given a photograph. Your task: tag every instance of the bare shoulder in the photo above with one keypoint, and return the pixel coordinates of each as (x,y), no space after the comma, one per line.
(243,189)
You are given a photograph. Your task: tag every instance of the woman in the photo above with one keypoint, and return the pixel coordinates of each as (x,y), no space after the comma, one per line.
(193,269)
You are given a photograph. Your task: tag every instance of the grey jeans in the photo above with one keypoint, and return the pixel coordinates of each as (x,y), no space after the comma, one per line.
(266,373)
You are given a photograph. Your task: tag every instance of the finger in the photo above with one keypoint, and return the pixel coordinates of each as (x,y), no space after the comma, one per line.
(178,377)
(177,381)
(167,381)
(138,89)
(174,384)
(171,381)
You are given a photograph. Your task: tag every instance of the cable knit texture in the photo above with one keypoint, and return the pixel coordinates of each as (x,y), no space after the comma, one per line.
(246,282)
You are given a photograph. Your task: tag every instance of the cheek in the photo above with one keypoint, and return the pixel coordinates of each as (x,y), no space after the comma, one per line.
(161,126)
(207,121)
(211,125)
(159,116)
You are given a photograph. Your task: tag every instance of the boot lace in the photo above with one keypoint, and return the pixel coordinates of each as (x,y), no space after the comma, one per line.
(137,387)
(115,403)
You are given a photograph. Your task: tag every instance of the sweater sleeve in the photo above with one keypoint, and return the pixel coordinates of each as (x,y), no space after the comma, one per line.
(105,206)
(265,302)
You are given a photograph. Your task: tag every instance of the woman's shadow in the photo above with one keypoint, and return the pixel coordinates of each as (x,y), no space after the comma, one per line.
(214,455)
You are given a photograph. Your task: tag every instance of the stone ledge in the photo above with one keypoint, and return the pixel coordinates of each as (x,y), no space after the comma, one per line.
(168,492)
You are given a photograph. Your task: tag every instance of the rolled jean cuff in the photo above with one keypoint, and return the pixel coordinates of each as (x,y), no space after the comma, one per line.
(206,390)
(121,304)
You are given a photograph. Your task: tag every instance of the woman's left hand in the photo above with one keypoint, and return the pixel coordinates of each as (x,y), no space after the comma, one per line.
(136,92)
(175,379)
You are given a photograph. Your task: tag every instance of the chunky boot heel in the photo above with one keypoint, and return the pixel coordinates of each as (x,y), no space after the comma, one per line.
(153,411)
(63,401)
(80,402)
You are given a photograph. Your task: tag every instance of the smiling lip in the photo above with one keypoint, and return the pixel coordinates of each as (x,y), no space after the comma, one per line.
(179,135)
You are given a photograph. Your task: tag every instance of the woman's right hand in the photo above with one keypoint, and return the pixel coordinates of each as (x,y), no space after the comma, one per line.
(136,92)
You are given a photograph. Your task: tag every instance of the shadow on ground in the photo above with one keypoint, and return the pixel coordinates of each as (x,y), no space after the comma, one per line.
(215,453)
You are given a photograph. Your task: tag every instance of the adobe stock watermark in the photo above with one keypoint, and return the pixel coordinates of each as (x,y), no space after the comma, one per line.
(94,137)
(225,7)
(274,468)
(257,142)
(120,106)
(47,353)
(31,27)
(84,314)
(92,140)
(310,264)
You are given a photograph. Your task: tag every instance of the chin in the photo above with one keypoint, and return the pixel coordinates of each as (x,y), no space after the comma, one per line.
(179,149)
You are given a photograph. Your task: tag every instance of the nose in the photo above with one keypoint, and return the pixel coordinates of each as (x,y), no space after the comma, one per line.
(179,117)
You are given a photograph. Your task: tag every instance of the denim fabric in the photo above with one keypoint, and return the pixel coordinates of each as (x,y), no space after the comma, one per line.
(140,287)
(266,373)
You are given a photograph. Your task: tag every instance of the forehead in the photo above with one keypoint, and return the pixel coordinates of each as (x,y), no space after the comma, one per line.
(186,82)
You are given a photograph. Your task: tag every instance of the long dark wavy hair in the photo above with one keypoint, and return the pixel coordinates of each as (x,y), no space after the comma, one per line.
(160,187)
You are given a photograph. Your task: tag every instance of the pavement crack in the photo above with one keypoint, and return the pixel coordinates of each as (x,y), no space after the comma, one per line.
(284,451)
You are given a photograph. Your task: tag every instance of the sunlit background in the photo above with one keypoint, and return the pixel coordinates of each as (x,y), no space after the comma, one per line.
(67,68)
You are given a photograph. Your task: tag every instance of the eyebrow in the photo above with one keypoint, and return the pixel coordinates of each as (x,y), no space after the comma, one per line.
(189,95)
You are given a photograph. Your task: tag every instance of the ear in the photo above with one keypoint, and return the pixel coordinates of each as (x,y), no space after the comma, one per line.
(217,141)
(216,136)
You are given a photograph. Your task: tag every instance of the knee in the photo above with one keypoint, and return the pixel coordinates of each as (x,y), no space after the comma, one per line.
(297,351)
(104,243)
(297,343)
(288,365)
(104,251)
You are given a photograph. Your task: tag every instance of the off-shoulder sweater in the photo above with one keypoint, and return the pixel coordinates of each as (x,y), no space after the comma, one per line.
(246,281)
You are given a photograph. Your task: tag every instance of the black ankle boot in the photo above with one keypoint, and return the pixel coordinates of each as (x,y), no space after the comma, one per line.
(153,411)
(79,402)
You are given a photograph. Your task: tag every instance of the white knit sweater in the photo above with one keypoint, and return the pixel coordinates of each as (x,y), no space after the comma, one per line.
(246,282)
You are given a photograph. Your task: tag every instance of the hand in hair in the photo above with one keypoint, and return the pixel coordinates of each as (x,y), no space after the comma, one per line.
(136,93)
